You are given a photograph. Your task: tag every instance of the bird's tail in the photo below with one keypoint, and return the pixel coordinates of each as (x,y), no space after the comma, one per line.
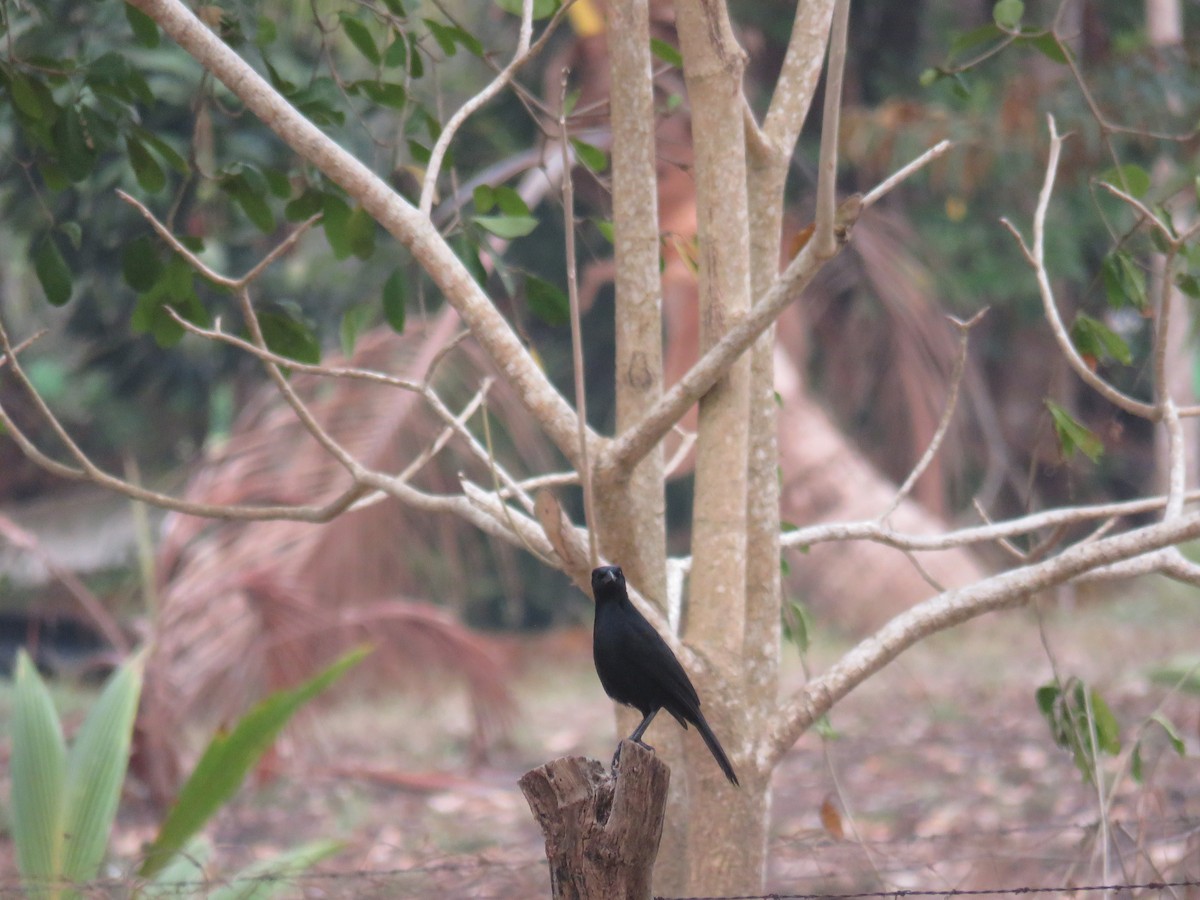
(714,747)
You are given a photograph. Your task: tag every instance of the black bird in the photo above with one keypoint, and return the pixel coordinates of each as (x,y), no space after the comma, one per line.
(638,669)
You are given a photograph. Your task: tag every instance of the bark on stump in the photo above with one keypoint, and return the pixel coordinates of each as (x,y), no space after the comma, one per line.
(602,829)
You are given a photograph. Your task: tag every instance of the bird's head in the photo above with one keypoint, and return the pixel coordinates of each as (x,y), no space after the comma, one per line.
(608,582)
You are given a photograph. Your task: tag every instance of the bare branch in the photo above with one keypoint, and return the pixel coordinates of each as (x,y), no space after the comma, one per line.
(92,605)
(200,266)
(824,242)
(905,172)
(1006,590)
(520,56)
(568,194)
(882,534)
(1037,256)
(797,82)
(86,470)
(935,443)
(382,203)
(624,451)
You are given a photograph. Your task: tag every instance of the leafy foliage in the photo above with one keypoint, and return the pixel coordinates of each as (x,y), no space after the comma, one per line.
(1080,721)
(65,799)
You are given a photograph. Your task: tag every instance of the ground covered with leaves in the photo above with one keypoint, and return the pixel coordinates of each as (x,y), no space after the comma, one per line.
(940,774)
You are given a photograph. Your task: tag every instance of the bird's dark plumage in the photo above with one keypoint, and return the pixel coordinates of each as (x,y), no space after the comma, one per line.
(637,668)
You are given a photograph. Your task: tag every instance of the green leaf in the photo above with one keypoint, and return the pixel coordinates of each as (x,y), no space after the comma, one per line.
(52,271)
(396,54)
(228,759)
(360,231)
(510,202)
(75,155)
(1048,44)
(1189,284)
(1135,764)
(442,34)
(96,767)
(164,151)
(484,198)
(360,37)
(1007,14)
(145,31)
(27,97)
(38,774)
(797,626)
(173,290)
(930,76)
(1172,733)
(140,263)
(592,157)
(335,219)
(1093,338)
(1130,178)
(385,93)
(1108,732)
(1072,436)
(968,40)
(541,8)
(394,300)
(265,32)
(354,320)
(306,205)
(666,53)
(507,227)
(416,66)
(420,153)
(547,301)
(287,334)
(606,229)
(1124,282)
(149,173)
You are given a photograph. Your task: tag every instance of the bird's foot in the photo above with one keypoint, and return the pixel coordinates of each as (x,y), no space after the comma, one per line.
(616,760)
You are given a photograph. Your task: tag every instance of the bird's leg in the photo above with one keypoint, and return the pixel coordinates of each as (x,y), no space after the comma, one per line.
(636,737)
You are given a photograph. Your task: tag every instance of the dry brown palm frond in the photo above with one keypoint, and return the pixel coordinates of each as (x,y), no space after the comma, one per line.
(888,359)
(249,607)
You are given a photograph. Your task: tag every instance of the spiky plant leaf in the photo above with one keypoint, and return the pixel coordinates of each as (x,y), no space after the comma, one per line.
(96,765)
(38,769)
(229,758)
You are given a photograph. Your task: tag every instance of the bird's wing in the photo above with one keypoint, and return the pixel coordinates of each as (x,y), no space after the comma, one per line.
(653,662)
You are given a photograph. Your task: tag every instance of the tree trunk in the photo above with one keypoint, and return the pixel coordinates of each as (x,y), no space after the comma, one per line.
(602,829)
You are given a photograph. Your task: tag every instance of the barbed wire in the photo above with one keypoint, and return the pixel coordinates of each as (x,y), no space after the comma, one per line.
(954,892)
(480,867)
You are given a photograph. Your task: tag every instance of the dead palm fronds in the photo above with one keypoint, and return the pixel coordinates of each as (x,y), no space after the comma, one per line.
(249,607)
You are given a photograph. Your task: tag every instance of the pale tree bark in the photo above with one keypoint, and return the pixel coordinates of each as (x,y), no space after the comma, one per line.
(713,64)
(1164,31)
(631,510)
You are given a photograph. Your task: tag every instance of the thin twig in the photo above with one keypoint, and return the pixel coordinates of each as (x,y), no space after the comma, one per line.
(203,268)
(568,194)
(824,241)
(497,84)
(1036,254)
(905,172)
(935,443)
(873,530)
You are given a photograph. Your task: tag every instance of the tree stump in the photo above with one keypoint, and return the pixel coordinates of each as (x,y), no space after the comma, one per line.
(602,829)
